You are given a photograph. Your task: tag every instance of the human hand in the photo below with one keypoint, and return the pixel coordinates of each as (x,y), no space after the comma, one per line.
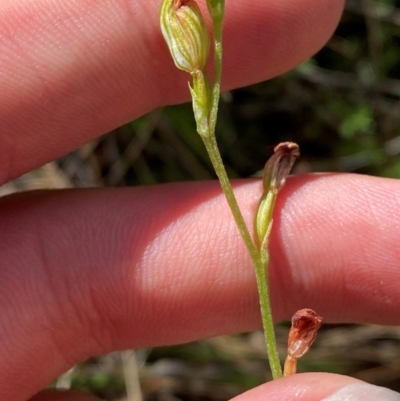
(85,272)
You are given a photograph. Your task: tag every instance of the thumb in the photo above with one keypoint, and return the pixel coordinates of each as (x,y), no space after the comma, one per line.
(318,387)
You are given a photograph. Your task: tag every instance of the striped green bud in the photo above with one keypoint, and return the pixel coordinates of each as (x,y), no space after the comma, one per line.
(186,34)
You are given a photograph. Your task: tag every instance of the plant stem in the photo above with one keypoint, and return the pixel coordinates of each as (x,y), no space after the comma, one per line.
(217,14)
(260,259)
(261,266)
(262,277)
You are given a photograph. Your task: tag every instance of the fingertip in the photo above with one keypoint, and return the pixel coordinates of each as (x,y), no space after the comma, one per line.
(299,387)
(266,39)
(91,67)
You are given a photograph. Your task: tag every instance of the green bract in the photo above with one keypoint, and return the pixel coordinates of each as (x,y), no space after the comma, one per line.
(186,34)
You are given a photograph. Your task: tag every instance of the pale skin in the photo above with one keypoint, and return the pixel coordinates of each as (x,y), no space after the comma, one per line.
(83,273)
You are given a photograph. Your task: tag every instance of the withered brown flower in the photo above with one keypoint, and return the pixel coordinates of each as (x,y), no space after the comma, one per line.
(305,324)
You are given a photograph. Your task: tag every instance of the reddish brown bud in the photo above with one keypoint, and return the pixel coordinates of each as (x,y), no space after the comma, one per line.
(305,324)
(276,171)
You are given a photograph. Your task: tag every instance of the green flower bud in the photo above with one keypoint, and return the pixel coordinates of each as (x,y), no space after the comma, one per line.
(186,34)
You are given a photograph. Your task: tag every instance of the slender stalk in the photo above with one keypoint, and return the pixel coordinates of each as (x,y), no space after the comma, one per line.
(215,157)
(261,266)
(185,32)
(217,14)
(260,263)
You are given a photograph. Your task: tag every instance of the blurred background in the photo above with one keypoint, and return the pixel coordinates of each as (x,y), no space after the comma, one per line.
(343,108)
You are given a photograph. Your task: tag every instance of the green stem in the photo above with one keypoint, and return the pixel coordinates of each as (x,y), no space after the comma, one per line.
(259,258)
(260,263)
(217,15)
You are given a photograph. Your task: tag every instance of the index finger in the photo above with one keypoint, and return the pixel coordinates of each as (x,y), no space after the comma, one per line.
(86,272)
(71,71)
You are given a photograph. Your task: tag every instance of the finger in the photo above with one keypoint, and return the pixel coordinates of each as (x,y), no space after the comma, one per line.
(302,387)
(74,70)
(62,395)
(86,272)
(318,387)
